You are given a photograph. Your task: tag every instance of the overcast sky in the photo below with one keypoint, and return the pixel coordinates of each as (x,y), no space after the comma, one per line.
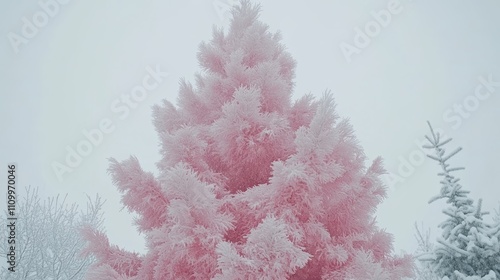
(392,65)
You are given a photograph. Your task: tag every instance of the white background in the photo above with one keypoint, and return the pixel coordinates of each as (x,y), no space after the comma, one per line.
(427,59)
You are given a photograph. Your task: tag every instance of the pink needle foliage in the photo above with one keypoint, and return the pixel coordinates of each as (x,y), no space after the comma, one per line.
(251,184)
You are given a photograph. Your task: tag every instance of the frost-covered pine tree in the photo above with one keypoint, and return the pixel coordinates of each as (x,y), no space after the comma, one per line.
(251,185)
(469,247)
(48,242)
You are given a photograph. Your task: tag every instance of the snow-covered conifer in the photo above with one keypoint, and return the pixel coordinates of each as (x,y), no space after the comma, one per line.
(469,247)
(251,184)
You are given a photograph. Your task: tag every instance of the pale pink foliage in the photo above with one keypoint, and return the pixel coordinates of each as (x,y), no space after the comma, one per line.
(115,260)
(267,254)
(252,186)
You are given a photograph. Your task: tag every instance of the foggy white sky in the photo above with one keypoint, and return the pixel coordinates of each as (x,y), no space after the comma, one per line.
(420,66)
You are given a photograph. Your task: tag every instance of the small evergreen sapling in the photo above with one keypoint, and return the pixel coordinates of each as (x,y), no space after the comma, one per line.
(496,218)
(469,247)
(423,269)
(251,185)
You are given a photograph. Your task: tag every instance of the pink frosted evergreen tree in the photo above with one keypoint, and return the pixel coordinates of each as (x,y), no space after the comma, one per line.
(251,185)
